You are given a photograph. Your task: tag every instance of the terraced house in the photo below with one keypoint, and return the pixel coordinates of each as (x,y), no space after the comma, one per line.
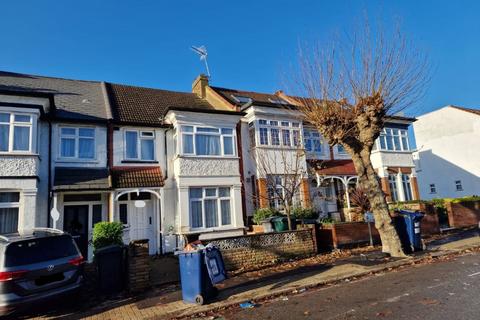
(168,165)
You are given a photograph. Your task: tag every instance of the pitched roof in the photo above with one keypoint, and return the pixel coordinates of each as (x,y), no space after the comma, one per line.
(334,167)
(74,99)
(137,177)
(257,98)
(81,179)
(474,111)
(140,105)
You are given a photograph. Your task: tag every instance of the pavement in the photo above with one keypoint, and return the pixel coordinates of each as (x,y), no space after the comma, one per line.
(165,302)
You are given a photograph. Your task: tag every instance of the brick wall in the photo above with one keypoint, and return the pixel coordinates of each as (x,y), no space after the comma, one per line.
(138,266)
(251,252)
(337,235)
(463,214)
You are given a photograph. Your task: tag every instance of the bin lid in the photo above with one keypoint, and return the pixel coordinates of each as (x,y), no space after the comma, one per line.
(108,249)
(412,214)
(279,219)
(215,265)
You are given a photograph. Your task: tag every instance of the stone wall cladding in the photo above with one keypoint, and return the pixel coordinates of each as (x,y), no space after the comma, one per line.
(11,166)
(209,167)
(252,252)
(138,266)
(463,214)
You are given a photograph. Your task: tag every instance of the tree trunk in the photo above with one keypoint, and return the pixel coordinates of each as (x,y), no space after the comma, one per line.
(368,180)
(289,217)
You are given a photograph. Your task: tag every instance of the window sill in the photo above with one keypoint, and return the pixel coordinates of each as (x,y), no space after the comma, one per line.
(211,230)
(20,154)
(187,156)
(140,161)
(393,151)
(76,160)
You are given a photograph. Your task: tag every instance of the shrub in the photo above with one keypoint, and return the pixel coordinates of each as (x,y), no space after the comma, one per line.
(304,213)
(263,213)
(106,234)
(326,220)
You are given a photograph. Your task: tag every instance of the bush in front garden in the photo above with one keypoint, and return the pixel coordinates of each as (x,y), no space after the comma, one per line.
(304,213)
(106,234)
(263,213)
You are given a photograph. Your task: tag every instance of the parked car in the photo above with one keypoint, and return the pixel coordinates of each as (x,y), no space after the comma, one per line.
(36,266)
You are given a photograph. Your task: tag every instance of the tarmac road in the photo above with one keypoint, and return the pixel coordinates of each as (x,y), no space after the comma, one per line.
(444,290)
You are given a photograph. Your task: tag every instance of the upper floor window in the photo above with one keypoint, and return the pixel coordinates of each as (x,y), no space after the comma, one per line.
(77,143)
(433,188)
(313,141)
(341,149)
(15,132)
(208,141)
(394,139)
(458,185)
(278,133)
(139,145)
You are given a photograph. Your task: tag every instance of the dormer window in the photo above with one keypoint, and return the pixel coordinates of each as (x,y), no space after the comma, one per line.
(277,101)
(242,99)
(15,132)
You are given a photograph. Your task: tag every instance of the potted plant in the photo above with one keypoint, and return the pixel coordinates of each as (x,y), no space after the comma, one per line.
(261,218)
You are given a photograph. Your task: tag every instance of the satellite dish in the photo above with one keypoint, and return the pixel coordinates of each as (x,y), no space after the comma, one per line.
(140,204)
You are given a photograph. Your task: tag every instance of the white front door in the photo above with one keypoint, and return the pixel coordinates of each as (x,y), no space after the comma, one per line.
(141,222)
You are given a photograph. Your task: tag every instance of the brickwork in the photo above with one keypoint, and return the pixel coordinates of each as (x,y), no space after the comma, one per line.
(337,235)
(252,252)
(386,188)
(138,266)
(463,214)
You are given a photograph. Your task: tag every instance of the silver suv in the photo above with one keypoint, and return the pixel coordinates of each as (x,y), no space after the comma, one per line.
(36,266)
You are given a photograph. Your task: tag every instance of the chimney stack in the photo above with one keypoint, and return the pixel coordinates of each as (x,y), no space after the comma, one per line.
(199,86)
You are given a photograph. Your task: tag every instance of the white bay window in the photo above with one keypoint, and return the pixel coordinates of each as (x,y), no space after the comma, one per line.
(15,132)
(392,139)
(77,143)
(207,141)
(210,207)
(278,133)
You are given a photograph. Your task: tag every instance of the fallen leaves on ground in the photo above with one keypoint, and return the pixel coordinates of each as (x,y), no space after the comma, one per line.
(428,301)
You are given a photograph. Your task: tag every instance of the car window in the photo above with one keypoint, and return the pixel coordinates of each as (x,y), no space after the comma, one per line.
(38,250)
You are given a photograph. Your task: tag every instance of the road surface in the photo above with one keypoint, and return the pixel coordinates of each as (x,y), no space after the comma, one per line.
(443,290)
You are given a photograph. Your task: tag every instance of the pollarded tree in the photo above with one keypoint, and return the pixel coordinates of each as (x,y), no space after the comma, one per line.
(350,89)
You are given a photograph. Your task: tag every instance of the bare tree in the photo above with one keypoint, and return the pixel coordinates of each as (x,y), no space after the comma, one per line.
(349,90)
(283,170)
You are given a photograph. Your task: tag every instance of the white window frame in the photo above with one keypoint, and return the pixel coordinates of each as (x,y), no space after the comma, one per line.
(387,134)
(11,129)
(10,205)
(219,133)
(311,135)
(293,127)
(273,191)
(393,185)
(76,137)
(140,137)
(219,199)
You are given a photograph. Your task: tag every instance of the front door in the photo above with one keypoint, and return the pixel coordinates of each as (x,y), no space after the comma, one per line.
(76,223)
(141,223)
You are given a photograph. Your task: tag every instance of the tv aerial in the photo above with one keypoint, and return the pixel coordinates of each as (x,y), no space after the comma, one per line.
(202,52)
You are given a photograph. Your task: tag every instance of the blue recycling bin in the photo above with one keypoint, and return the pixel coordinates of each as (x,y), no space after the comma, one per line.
(198,271)
(407,224)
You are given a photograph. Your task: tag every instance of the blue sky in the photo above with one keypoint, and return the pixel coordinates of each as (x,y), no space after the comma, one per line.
(250,43)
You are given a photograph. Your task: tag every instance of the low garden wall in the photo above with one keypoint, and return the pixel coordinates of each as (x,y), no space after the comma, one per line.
(336,235)
(463,214)
(251,252)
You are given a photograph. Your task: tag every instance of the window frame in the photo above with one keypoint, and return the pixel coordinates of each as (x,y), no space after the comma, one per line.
(220,134)
(458,185)
(387,137)
(218,198)
(12,205)
(312,137)
(274,131)
(433,188)
(139,133)
(76,138)
(12,124)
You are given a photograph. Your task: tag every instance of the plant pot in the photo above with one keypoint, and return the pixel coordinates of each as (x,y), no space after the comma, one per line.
(257,229)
